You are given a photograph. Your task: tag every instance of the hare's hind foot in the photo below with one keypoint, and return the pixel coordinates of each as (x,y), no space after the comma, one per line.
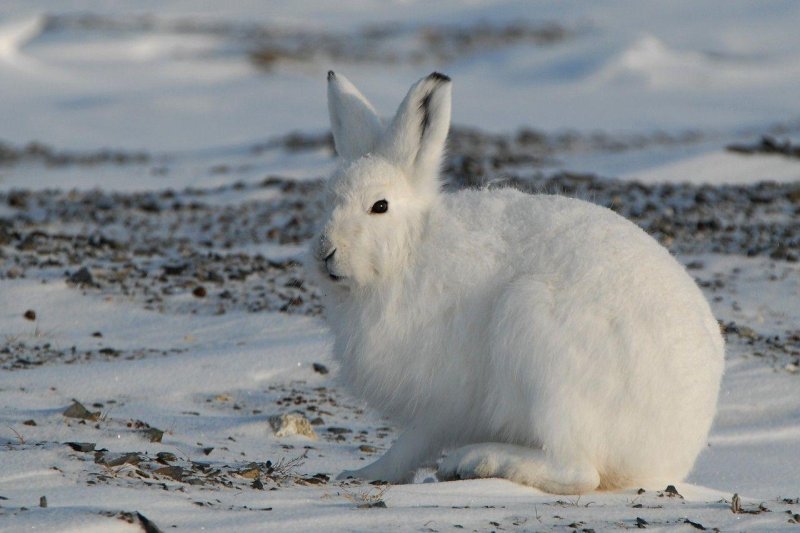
(527,466)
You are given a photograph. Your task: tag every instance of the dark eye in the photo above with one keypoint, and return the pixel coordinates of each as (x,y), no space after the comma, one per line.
(379,207)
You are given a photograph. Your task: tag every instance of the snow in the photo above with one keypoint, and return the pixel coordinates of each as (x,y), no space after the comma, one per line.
(673,84)
(751,449)
(625,69)
(722,167)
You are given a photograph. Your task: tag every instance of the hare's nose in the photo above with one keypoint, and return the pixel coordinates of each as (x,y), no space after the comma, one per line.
(323,248)
(333,276)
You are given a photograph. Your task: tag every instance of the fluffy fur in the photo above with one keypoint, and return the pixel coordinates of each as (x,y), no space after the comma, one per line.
(539,338)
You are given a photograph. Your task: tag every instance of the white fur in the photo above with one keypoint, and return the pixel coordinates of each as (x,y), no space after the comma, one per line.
(543,339)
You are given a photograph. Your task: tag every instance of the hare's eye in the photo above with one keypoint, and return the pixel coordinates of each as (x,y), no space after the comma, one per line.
(379,207)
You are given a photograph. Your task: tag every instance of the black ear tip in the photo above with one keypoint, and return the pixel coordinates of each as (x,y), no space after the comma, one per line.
(438,76)
(331,75)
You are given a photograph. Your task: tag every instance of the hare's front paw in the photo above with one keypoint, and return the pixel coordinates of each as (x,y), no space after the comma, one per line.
(468,462)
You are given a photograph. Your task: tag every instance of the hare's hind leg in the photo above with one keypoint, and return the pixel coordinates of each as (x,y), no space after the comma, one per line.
(527,466)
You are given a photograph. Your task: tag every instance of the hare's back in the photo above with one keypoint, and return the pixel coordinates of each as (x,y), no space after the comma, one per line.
(548,235)
(587,255)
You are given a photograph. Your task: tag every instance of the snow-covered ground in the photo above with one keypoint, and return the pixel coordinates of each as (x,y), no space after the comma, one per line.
(175,151)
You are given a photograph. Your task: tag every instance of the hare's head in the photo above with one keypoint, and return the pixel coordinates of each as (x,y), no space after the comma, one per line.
(386,183)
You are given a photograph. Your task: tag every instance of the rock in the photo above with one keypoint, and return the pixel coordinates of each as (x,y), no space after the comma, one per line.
(30,314)
(81,277)
(320,368)
(147,525)
(30,422)
(288,424)
(174,472)
(153,434)
(380,504)
(81,446)
(199,292)
(43,501)
(748,333)
(165,457)
(339,431)
(77,410)
(314,480)
(736,504)
(251,471)
(783,252)
(366,448)
(696,525)
(117,459)
(175,269)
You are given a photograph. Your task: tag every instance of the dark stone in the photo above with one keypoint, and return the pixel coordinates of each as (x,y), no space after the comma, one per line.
(165,457)
(77,410)
(174,472)
(131,458)
(153,434)
(84,447)
(175,269)
(380,504)
(695,525)
(81,277)
(147,525)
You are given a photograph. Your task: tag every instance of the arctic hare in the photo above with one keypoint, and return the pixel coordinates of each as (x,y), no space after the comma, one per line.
(539,338)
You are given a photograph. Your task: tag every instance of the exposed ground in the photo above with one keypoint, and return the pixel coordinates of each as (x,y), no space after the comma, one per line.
(161,174)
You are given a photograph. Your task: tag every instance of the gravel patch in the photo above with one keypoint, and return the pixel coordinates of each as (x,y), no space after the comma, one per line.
(195,251)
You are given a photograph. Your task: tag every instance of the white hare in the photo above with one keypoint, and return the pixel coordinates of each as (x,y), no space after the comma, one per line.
(541,339)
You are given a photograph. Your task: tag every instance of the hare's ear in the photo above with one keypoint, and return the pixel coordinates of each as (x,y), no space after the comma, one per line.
(355,125)
(416,137)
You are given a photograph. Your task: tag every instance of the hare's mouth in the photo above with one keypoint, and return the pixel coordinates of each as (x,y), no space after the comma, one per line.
(326,266)
(328,272)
